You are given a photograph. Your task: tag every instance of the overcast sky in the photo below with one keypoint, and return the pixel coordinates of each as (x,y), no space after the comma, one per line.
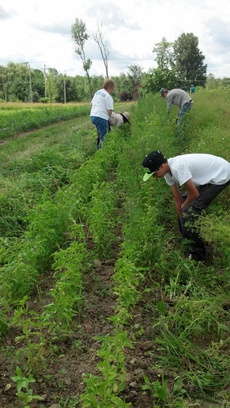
(39,32)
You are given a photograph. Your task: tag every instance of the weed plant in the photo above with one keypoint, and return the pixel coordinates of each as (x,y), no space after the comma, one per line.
(67,293)
(102,218)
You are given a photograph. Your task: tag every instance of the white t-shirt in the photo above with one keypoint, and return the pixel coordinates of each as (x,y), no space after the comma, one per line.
(201,168)
(102,102)
(116,119)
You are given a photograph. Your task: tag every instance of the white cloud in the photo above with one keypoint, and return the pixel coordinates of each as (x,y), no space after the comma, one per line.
(39,32)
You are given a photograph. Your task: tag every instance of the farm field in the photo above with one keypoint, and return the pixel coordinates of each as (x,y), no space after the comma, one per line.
(99,308)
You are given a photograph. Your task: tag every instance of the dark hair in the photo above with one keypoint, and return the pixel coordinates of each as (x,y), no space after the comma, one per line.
(163,90)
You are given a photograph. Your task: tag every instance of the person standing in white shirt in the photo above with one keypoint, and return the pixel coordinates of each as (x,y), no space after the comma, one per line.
(101,109)
(203,176)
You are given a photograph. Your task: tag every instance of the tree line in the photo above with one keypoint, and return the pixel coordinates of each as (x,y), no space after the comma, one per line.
(178,64)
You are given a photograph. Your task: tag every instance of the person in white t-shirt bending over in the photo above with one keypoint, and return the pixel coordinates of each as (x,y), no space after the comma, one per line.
(203,176)
(101,109)
(119,119)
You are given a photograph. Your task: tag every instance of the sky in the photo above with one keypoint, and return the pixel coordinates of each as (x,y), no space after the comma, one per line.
(38,32)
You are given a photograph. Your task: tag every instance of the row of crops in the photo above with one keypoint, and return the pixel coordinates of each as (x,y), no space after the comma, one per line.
(106,201)
(15,120)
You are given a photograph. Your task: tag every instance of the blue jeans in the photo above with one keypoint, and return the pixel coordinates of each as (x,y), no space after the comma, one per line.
(184,109)
(102,126)
(190,215)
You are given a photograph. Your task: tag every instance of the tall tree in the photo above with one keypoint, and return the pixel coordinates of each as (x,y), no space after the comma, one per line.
(164,54)
(51,76)
(38,85)
(66,89)
(189,60)
(80,36)
(3,83)
(164,74)
(103,46)
(157,78)
(135,73)
(18,82)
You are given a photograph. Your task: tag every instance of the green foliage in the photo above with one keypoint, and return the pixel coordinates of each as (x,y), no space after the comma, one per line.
(156,78)
(157,388)
(22,120)
(3,326)
(164,54)
(47,225)
(80,36)
(205,315)
(217,83)
(31,338)
(102,218)
(13,208)
(101,392)
(69,265)
(178,65)
(24,392)
(215,229)
(189,60)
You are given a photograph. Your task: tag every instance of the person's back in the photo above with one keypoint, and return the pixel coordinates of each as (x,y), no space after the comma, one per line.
(101,109)
(178,97)
(118,119)
(102,101)
(201,168)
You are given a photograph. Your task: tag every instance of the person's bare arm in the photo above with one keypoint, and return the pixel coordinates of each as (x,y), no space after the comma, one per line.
(193,193)
(177,198)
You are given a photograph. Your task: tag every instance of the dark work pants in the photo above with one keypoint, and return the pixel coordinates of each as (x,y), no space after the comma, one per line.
(190,215)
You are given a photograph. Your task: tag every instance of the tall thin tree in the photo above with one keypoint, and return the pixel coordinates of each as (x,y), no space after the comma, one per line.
(80,36)
(164,54)
(103,46)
